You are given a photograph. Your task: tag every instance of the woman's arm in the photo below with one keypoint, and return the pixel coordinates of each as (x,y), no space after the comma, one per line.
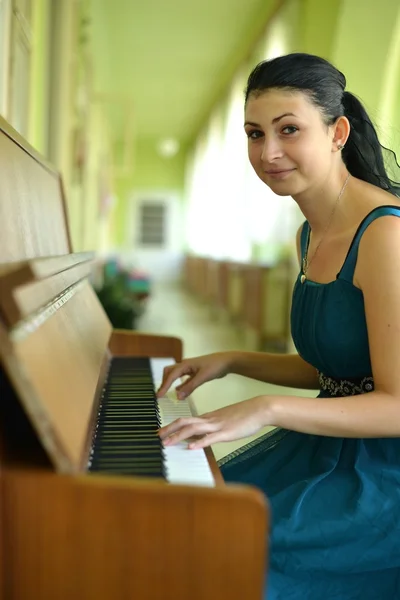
(288,370)
(372,415)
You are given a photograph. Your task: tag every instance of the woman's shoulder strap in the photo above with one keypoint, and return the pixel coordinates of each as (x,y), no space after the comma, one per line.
(347,271)
(304,237)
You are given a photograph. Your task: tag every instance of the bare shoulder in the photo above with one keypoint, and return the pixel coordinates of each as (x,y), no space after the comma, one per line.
(369,196)
(383,232)
(385,225)
(380,241)
(379,247)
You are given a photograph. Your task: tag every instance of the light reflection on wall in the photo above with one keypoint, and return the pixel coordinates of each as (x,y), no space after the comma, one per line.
(228,208)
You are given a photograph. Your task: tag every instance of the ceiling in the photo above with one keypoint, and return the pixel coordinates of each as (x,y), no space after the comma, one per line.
(169,60)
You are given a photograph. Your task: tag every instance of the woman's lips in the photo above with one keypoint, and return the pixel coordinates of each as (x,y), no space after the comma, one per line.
(279,174)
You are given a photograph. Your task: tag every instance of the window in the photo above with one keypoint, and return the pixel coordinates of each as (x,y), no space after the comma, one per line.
(152,221)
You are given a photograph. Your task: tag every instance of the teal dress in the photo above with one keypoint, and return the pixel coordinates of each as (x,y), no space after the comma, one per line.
(335,502)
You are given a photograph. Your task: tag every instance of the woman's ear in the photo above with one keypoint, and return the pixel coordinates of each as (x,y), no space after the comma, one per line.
(341,132)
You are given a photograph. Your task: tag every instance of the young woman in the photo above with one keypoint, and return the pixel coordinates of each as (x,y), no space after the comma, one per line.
(331,469)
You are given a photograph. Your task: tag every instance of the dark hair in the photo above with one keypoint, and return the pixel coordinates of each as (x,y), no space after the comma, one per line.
(325,86)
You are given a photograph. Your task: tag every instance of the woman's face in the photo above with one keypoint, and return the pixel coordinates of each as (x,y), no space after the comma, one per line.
(289,146)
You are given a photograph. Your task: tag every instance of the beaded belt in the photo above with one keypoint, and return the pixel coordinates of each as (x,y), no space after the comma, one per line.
(345,387)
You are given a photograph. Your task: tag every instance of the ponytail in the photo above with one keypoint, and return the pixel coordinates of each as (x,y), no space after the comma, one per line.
(363,153)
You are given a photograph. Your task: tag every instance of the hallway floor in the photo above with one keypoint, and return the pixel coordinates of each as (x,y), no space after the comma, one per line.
(172,311)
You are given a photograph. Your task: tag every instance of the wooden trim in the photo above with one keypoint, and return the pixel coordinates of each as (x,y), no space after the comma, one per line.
(215,470)
(40,268)
(20,141)
(131,343)
(65,210)
(19,300)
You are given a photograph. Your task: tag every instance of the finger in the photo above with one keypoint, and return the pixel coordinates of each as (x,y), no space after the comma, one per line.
(187,432)
(207,440)
(176,425)
(187,387)
(169,377)
(166,374)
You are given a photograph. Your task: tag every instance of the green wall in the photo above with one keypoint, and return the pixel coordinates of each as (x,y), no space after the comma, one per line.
(318,25)
(150,172)
(363,38)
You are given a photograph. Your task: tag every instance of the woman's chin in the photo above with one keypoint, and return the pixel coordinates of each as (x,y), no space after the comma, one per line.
(283,188)
(282,185)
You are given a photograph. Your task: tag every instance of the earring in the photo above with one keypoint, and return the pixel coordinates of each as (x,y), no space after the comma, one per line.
(340,147)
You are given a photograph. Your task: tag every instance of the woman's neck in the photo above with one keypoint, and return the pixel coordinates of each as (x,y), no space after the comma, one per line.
(322,204)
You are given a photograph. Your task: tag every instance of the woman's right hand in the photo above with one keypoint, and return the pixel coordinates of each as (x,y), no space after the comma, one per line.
(199,370)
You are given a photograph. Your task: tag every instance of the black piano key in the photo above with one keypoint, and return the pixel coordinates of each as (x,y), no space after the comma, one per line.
(135,445)
(126,440)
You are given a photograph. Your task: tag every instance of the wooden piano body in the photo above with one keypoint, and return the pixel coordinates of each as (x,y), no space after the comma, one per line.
(65,534)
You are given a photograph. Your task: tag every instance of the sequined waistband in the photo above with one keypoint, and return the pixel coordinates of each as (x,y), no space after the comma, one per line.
(345,387)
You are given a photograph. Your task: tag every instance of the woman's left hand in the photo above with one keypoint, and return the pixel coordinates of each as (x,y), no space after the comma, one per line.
(223,425)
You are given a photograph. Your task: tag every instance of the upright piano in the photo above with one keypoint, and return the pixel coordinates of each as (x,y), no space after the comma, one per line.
(92,507)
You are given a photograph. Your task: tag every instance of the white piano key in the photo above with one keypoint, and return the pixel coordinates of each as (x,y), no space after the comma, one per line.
(182,465)
(157,366)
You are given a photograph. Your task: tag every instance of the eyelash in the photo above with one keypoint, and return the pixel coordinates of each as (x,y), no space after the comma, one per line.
(260,133)
(255,131)
(290,127)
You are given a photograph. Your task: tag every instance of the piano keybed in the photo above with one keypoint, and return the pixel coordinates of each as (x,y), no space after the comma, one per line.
(125,439)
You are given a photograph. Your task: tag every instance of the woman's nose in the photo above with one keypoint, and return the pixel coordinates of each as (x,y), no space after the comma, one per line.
(271,150)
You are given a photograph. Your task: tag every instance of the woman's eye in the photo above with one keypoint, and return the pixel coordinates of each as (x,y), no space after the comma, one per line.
(255,134)
(289,129)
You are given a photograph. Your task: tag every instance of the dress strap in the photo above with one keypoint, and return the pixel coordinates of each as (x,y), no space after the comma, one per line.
(347,271)
(304,239)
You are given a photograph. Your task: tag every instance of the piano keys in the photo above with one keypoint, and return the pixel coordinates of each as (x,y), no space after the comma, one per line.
(125,439)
